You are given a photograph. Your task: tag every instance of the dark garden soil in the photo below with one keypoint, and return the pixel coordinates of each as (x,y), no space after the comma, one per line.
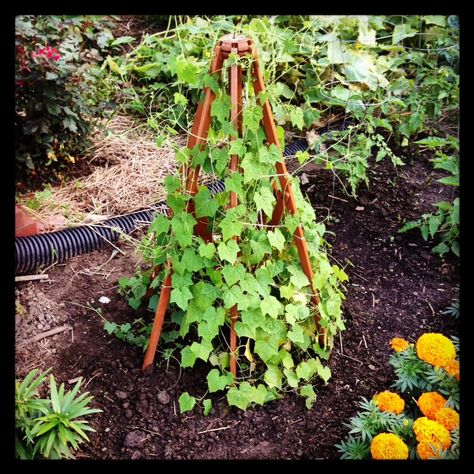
(397,288)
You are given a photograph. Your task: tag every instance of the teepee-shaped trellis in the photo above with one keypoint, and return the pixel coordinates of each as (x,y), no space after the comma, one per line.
(285,200)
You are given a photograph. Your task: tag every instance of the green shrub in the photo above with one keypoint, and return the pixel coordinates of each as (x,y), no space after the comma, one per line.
(49,427)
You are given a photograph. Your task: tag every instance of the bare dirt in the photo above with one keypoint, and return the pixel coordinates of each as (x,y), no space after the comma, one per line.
(397,288)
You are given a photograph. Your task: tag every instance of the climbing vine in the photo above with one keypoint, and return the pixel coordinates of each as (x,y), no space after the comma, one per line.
(279,345)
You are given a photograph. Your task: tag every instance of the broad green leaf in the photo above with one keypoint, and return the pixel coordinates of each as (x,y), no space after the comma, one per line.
(183,227)
(233,274)
(181,296)
(186,402)
(438,20)
(276,239)
(207,250)
(324,372)
(237,147)
(191,260)
(307,391)
(401,32)
(297,118)
(298,277)
(265,200)
(187,70)
(221,107)
(230,227)
(220,158)
(228,251)
(160,225)
(296,334)
(204,294)
(306,369)
(206,206)
(271,306)
(201,350)
(266,348)
(180,99)
(110,327)
(252,116)
(273,376)
(207,406)
(242,396)
(216,381)
(291,378)
(188,357)
(432,142)
(234,183)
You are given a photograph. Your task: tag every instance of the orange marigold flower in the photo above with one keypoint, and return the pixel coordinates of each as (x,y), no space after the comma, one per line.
(398,344)
(430,403)
(430,431)
(389,401)
(388,446)
(425,450)
(435,349)
(452,368)
(447,417)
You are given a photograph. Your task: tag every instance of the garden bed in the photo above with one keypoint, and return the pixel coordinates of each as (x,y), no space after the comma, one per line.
(397,288)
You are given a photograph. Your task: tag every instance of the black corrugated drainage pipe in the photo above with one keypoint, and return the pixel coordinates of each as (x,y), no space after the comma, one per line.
(56,247)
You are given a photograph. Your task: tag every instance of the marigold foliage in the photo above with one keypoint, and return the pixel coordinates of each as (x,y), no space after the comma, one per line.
(430,403)
(448,417)
(390,401)
(430,431)
(425,450)
(452,368)
(435,349)
(398,344)
(388,446)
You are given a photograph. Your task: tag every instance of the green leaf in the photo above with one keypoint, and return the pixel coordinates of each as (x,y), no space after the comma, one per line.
(234,183)
(230,226)
(201,350)
(228,251)
(291,377)
(186,402)
(207,406)
(271,306)
(188,357)
(298,277)
(432,142)
(233,274)
(237,147)
(172,183)
(273,376)
(191,260)
(187,70)
(307,391)
(252,117)
(54,395)
(180,99)
(296,334)
(438,20)
(450,180)
(276,239)
(110,327)
(306,369)
(207,250)
(216,381)
(242,396)
(324,372)
(206,206)
(181,296)
(122,40)
(401,32)
(183,227)
(297,117)
(220,159)
(265,199)
(160,225)
(221,107)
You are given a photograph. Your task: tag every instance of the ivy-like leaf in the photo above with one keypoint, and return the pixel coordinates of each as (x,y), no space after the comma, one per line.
(186,402)
(221,107)
(181,296)
(216,381)
(276,239)
(228,251)
(206,206)
(265,199)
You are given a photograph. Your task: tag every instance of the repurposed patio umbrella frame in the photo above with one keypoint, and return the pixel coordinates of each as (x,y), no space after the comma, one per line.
(285,200)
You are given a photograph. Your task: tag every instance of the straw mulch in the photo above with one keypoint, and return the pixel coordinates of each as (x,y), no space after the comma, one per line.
(128,177)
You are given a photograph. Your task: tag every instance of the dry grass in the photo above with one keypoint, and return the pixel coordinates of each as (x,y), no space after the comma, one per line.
(129,176)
